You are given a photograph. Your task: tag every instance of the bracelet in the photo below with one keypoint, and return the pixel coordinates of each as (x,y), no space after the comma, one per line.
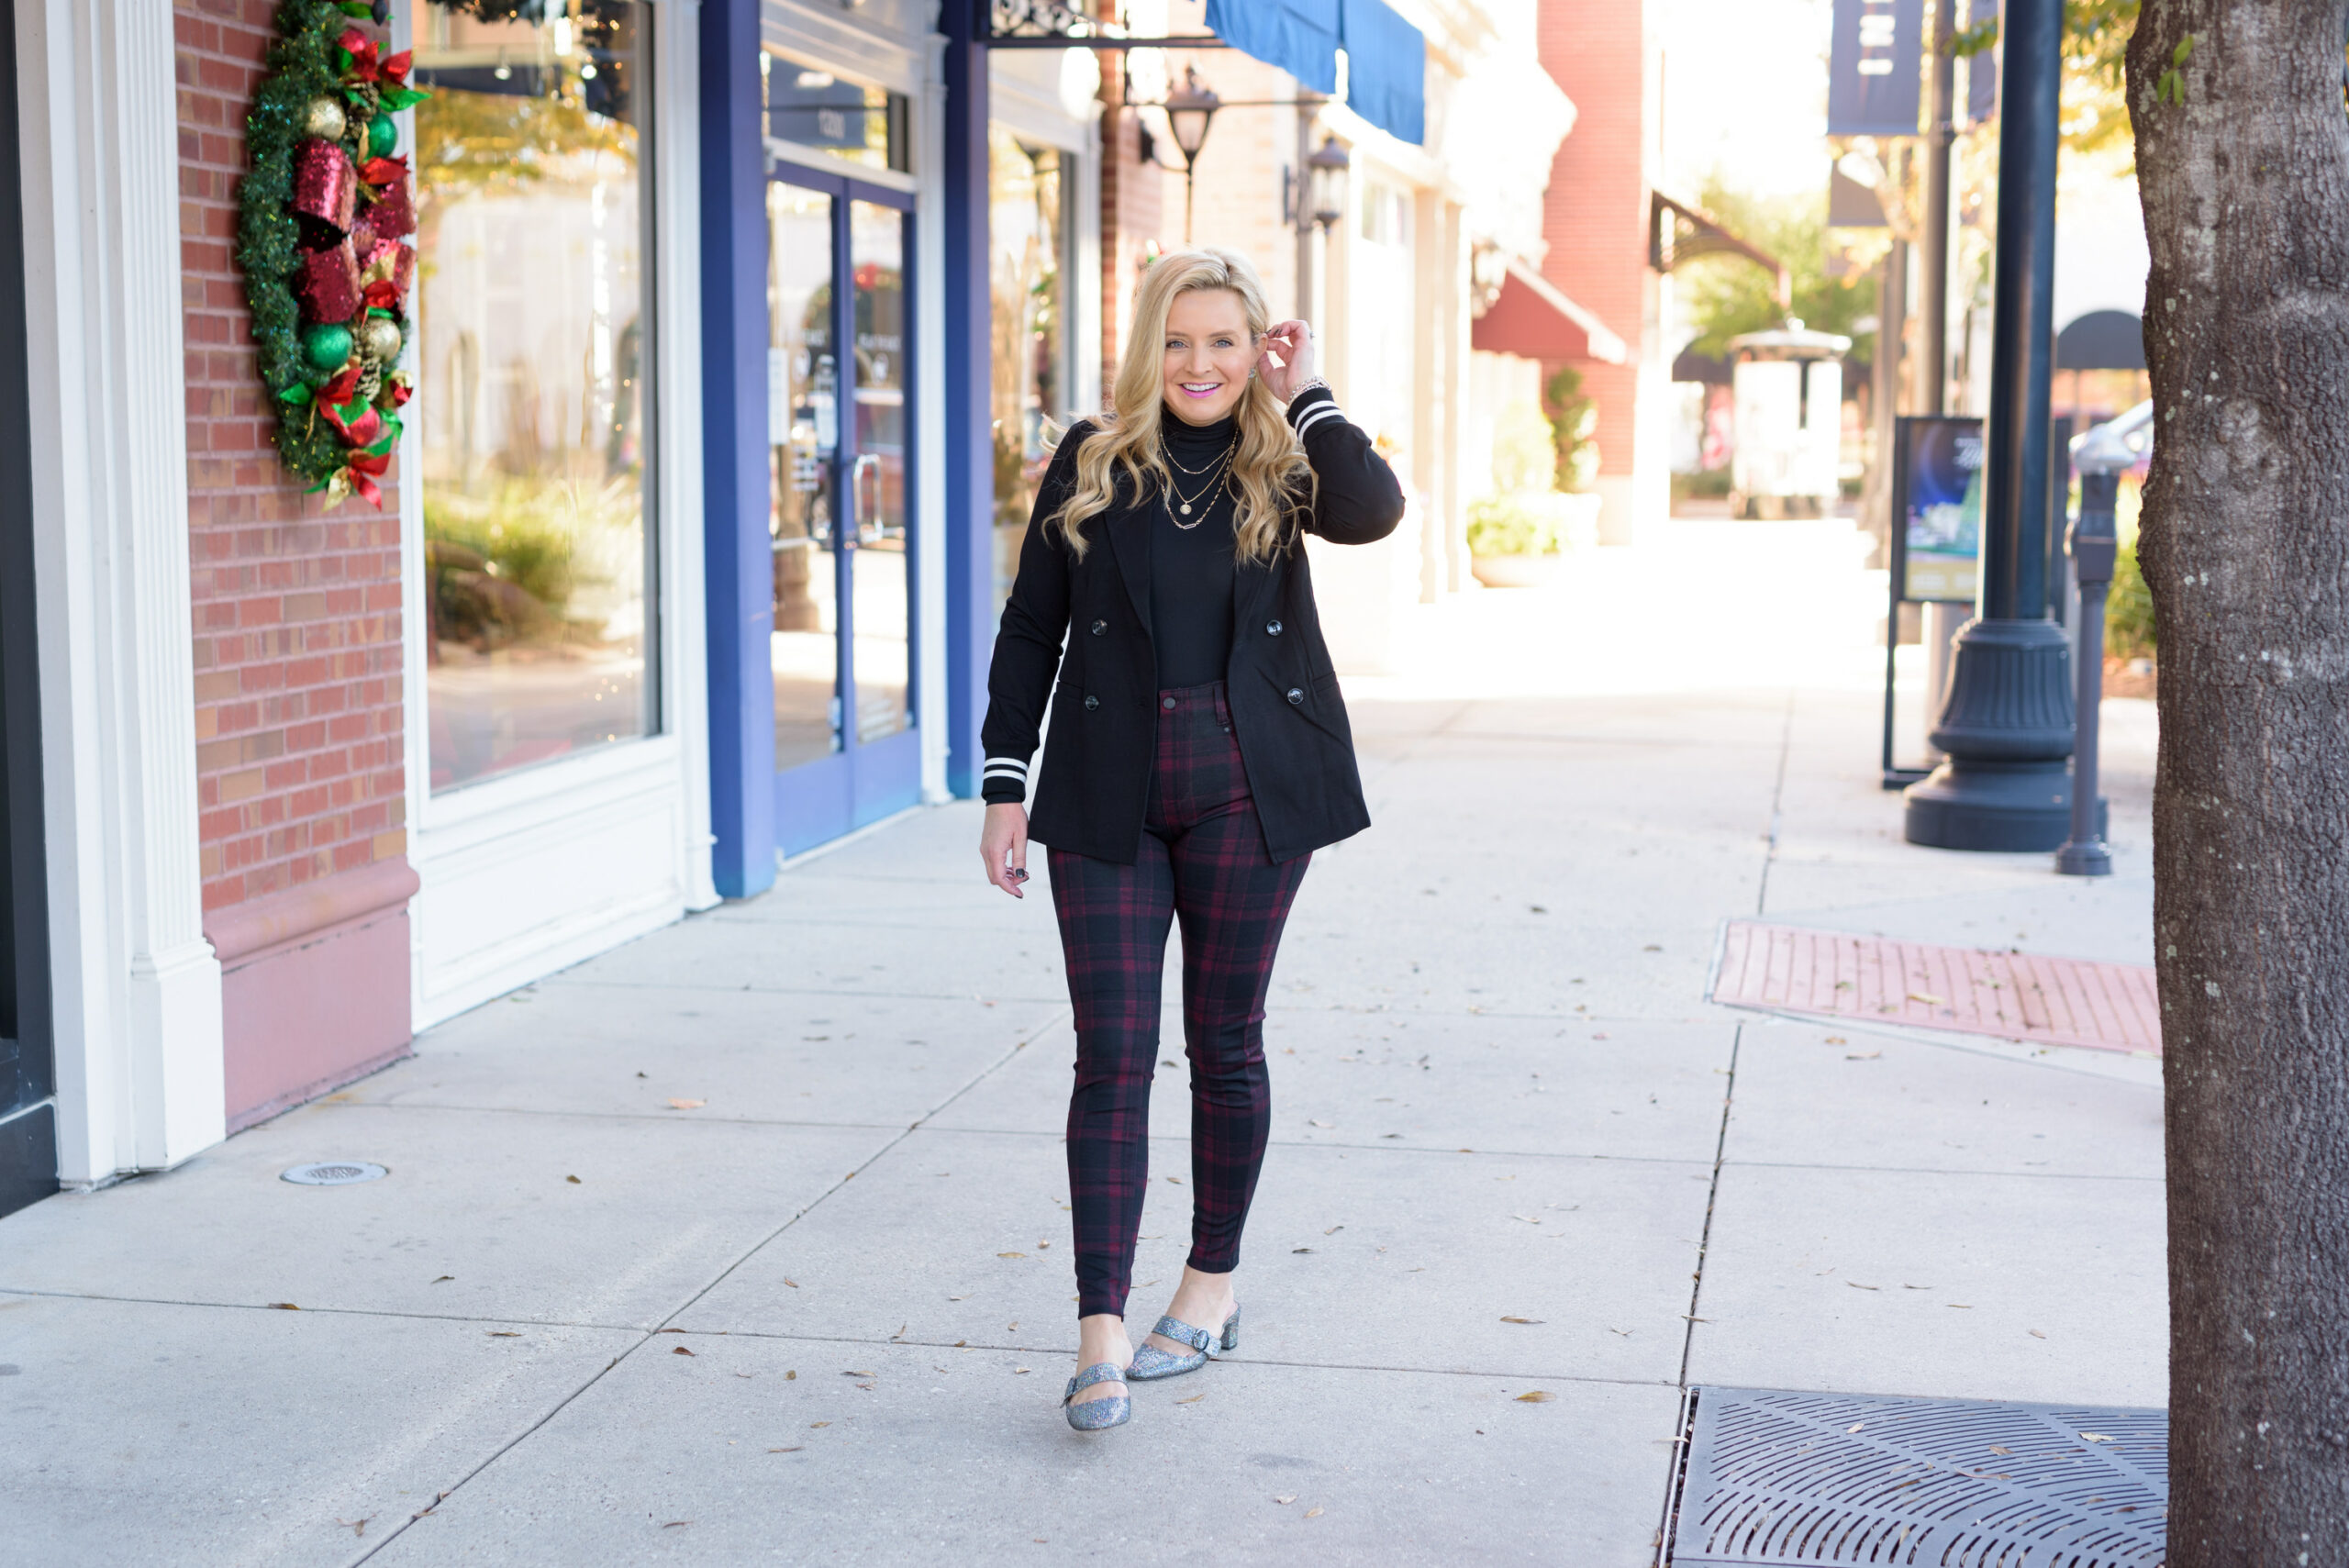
(1297,392)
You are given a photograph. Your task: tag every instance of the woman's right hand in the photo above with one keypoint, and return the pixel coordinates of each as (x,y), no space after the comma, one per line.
(1003,845)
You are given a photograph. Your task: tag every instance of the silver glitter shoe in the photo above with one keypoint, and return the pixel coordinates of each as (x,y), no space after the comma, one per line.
(1094,1415)
(1151,1363)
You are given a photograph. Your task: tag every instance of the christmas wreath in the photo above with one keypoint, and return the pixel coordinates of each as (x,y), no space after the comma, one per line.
(323,217)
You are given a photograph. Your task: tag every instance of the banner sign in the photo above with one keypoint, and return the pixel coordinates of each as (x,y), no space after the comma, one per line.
(1874,68)
(1982,68)
(1937,508)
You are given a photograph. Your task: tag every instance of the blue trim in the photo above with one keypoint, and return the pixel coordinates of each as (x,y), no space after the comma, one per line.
(1300,37)
(1386,69)
(738,567)
(970,454)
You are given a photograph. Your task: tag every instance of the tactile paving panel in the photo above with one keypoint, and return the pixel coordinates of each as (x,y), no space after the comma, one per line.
(2016,995)
(1774,1476)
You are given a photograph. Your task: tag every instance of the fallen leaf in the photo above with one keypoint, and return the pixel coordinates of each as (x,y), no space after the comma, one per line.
(1625,1332)
(504,1334)
(1916,1287)
(444,1279)
(359,1527)
(673,1524)
(791,1377)
(282,1306)
(1653,947)
(574,1181)
(965,1296)
(1334,1231)
(2034,1333)
(685,1106)
(1857,1286)
(1928,998)
(1011,1255)
(1521,1319)
(1016,1370)
(1010,1328)
(1861,1055)
(1855,1426)
(1192,1400)
(1313,1123)
(1285,1498)
(679,1350)
(1599,1034)
(813,1425)
(1312,1513)
(856,1374)
(1837,1039)
(1300,1248)
(1995,1448)
(1961,1306)
(793,1449)
(1536,1397)
(2097,1438)
(791,1283)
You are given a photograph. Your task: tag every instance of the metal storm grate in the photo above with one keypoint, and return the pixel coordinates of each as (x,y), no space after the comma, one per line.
(334,1172)
(1779,1477)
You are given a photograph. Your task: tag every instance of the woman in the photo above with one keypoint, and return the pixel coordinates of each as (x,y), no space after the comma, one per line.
(1199,755)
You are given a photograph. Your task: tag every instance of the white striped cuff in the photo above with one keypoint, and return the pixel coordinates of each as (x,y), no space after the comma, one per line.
(1317,414)
(1004,768)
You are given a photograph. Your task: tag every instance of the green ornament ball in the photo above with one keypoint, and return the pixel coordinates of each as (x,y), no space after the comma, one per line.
(327,345)
(382,136)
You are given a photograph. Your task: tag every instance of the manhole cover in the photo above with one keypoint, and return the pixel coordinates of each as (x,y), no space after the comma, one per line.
(335,1173)
(1775,1477)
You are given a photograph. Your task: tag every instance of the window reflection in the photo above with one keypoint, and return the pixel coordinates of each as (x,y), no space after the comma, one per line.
(803,419)
(532,358)
(1027,281)
(877,487)
(811,105)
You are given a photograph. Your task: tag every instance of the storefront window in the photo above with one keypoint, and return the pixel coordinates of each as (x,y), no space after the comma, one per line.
(1028,279)
(812,107)
(533,319)
(1381,395)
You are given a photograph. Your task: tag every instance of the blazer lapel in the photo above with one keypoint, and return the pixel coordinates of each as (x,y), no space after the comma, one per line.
(1131,549)
(1253,585)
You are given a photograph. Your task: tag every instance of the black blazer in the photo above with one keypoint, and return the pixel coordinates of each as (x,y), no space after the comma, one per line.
(1287,713)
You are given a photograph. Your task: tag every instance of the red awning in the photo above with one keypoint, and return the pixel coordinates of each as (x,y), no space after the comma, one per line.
(1534,322)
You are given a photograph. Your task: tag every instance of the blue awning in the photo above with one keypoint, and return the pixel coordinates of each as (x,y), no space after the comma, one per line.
(1300,37)
(1386,69)
(1387,59)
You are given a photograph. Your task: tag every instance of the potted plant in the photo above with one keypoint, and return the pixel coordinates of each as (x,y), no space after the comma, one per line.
(1517,540)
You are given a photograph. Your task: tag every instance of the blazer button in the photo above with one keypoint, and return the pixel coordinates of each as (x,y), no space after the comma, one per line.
(1092,703)
(1272,628)
(1099,627)
(1296,697)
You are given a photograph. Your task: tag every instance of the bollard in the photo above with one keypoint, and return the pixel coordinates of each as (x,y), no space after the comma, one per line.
(2100,456)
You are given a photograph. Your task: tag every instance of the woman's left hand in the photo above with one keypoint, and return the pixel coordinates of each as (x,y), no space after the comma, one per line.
(1285,363)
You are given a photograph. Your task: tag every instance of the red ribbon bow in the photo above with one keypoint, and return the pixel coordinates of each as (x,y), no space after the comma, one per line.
(384,170)
(363,473)
(365,67)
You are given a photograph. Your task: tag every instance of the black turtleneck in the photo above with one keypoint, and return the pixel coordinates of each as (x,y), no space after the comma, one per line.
(1191,567)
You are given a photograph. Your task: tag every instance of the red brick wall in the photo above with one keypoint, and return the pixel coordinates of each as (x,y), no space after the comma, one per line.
(297,609)
(1132,208)
(1596,214)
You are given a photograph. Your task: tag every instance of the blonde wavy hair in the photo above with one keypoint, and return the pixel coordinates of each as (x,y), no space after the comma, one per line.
(1269,473)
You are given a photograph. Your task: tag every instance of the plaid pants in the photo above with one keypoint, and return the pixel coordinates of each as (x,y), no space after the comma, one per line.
(1202,859)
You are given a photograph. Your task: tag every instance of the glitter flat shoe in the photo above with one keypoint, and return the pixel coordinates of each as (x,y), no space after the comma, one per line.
(1151,1363)
(1094,1415)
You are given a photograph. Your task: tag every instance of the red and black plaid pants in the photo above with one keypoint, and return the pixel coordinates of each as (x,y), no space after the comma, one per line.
(1202,860)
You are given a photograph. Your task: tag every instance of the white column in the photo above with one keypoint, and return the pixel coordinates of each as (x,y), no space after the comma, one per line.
(137,988)
(930,521)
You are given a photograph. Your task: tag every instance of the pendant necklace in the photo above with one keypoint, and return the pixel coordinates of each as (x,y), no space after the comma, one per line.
(1175,496)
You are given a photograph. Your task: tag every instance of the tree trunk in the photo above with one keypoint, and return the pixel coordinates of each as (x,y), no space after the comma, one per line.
(2245,545)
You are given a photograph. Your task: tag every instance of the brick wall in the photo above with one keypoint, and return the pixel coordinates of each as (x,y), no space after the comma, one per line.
(296,609)
(1596,214)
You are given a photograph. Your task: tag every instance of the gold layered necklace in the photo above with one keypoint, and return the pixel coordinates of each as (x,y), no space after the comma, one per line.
(1217,475)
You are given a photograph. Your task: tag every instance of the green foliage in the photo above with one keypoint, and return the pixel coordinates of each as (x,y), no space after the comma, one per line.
(1574,417)
(2129,610)
(1725,295)
(506,565)
(1524,456)
(1518,524)
(501,143)
(2096,42)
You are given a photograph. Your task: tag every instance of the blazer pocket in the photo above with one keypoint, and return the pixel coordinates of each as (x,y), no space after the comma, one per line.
(1316,701)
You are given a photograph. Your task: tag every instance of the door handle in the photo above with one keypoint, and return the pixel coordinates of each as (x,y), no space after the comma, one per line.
(865,517)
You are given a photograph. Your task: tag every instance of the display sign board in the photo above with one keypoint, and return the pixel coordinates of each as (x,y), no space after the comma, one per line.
(1981,68)
(1937,508)
(1875,68)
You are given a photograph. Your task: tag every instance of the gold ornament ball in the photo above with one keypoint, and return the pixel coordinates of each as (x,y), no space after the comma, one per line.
(380,340)
(324,119)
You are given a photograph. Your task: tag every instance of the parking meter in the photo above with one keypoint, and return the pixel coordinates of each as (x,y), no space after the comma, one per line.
(2100,456)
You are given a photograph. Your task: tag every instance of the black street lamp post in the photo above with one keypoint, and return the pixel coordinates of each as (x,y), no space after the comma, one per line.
(1190,110)
(2006,724)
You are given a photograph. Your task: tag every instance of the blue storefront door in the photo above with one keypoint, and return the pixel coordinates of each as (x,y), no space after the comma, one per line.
(840,397)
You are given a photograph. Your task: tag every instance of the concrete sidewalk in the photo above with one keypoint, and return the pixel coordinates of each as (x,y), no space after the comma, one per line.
(746,1242)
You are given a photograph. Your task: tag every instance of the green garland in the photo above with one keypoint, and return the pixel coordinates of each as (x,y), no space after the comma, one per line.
(336,429)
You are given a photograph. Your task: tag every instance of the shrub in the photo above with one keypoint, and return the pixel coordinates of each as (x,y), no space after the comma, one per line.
(2129,610)
(1515,525)
(1573,418)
